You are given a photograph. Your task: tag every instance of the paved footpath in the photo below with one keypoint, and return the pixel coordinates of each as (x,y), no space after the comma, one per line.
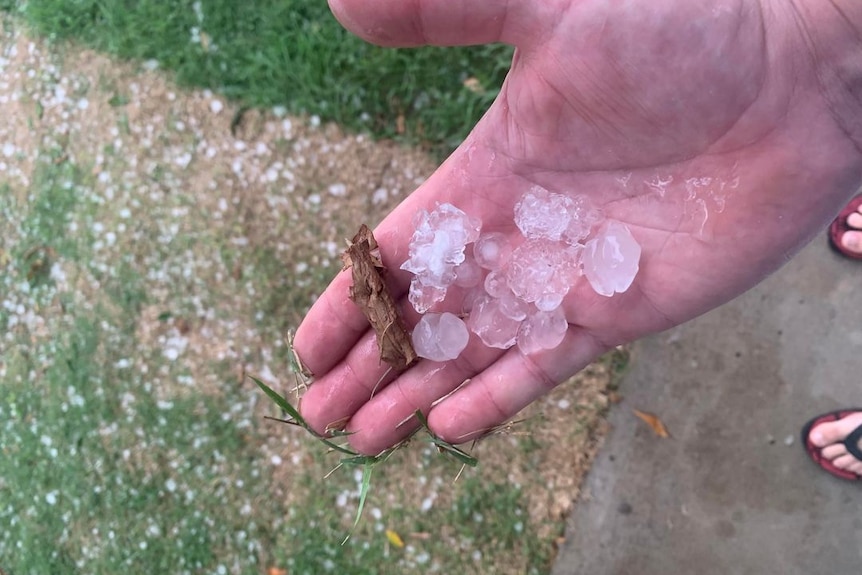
(732,492)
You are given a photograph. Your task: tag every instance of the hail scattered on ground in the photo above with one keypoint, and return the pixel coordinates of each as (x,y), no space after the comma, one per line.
(197,233)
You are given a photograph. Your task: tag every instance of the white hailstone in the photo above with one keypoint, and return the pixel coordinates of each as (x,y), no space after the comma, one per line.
(520,298)
(583,217)
(379,196)
(470,298)
(549,301)
(495,284)
(462,228)
(492,250)
(541,267)
(542,330)
(468,274)
(543,214)
(492,326)
(440,336)
(338,190)
(513,307)
(436,249)
(423,297)
(611,259)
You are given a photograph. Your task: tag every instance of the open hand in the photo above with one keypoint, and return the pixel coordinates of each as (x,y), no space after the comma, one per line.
(702,125)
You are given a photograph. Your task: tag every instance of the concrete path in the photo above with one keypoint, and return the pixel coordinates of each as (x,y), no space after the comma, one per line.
(732,492)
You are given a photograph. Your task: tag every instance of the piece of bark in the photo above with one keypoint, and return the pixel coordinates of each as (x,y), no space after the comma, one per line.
(370,293)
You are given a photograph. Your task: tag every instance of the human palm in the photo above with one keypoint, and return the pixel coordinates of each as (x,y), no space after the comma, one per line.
(701,128)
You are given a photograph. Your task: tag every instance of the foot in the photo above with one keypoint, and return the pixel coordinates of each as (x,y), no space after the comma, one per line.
(846,230)
(829,435)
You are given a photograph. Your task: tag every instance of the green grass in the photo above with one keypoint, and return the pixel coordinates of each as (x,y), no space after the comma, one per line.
(485,524)
(110,463)
(291,53)
(100,476)
(98,473)
(116,456)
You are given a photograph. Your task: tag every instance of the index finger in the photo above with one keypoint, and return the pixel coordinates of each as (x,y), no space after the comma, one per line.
(334,323)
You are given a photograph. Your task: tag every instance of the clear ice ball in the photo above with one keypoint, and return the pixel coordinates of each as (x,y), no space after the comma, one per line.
(493,327)
(611,259)
(542,330)
(436,250)
(541,267)
(541,214)
(440,336)
(492,250)
(468,274)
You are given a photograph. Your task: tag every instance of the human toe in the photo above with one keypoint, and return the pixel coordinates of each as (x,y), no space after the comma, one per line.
(833,451)
(854,220)
(830,432)
(852,240)
(845,461)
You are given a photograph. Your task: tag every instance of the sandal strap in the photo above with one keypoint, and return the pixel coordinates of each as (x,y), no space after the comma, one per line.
(851,442)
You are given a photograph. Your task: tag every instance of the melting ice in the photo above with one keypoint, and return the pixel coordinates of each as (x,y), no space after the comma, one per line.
(516,284)
(436,249)
(440,336)
(611,259)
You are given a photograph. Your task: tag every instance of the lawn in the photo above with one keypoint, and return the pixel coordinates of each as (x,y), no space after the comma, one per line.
(290,53)
(156,245)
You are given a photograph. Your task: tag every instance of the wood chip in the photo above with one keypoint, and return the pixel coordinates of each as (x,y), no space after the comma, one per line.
(370,292)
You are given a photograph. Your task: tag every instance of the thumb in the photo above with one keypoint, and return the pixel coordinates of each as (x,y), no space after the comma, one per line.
(437,22)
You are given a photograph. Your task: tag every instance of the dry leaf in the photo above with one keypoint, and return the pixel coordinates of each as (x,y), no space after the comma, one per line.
(400,124)
(276,571)
(654,422)
(394,538)
(370,293)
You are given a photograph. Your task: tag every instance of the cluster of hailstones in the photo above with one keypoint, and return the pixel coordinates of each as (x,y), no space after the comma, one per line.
(514,287)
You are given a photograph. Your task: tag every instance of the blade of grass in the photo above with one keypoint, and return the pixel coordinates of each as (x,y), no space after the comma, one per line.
(363,494)
(298,420)
(278,419)
(455,452)
(335,446)
(445,446)
(359,460)
(280,401)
